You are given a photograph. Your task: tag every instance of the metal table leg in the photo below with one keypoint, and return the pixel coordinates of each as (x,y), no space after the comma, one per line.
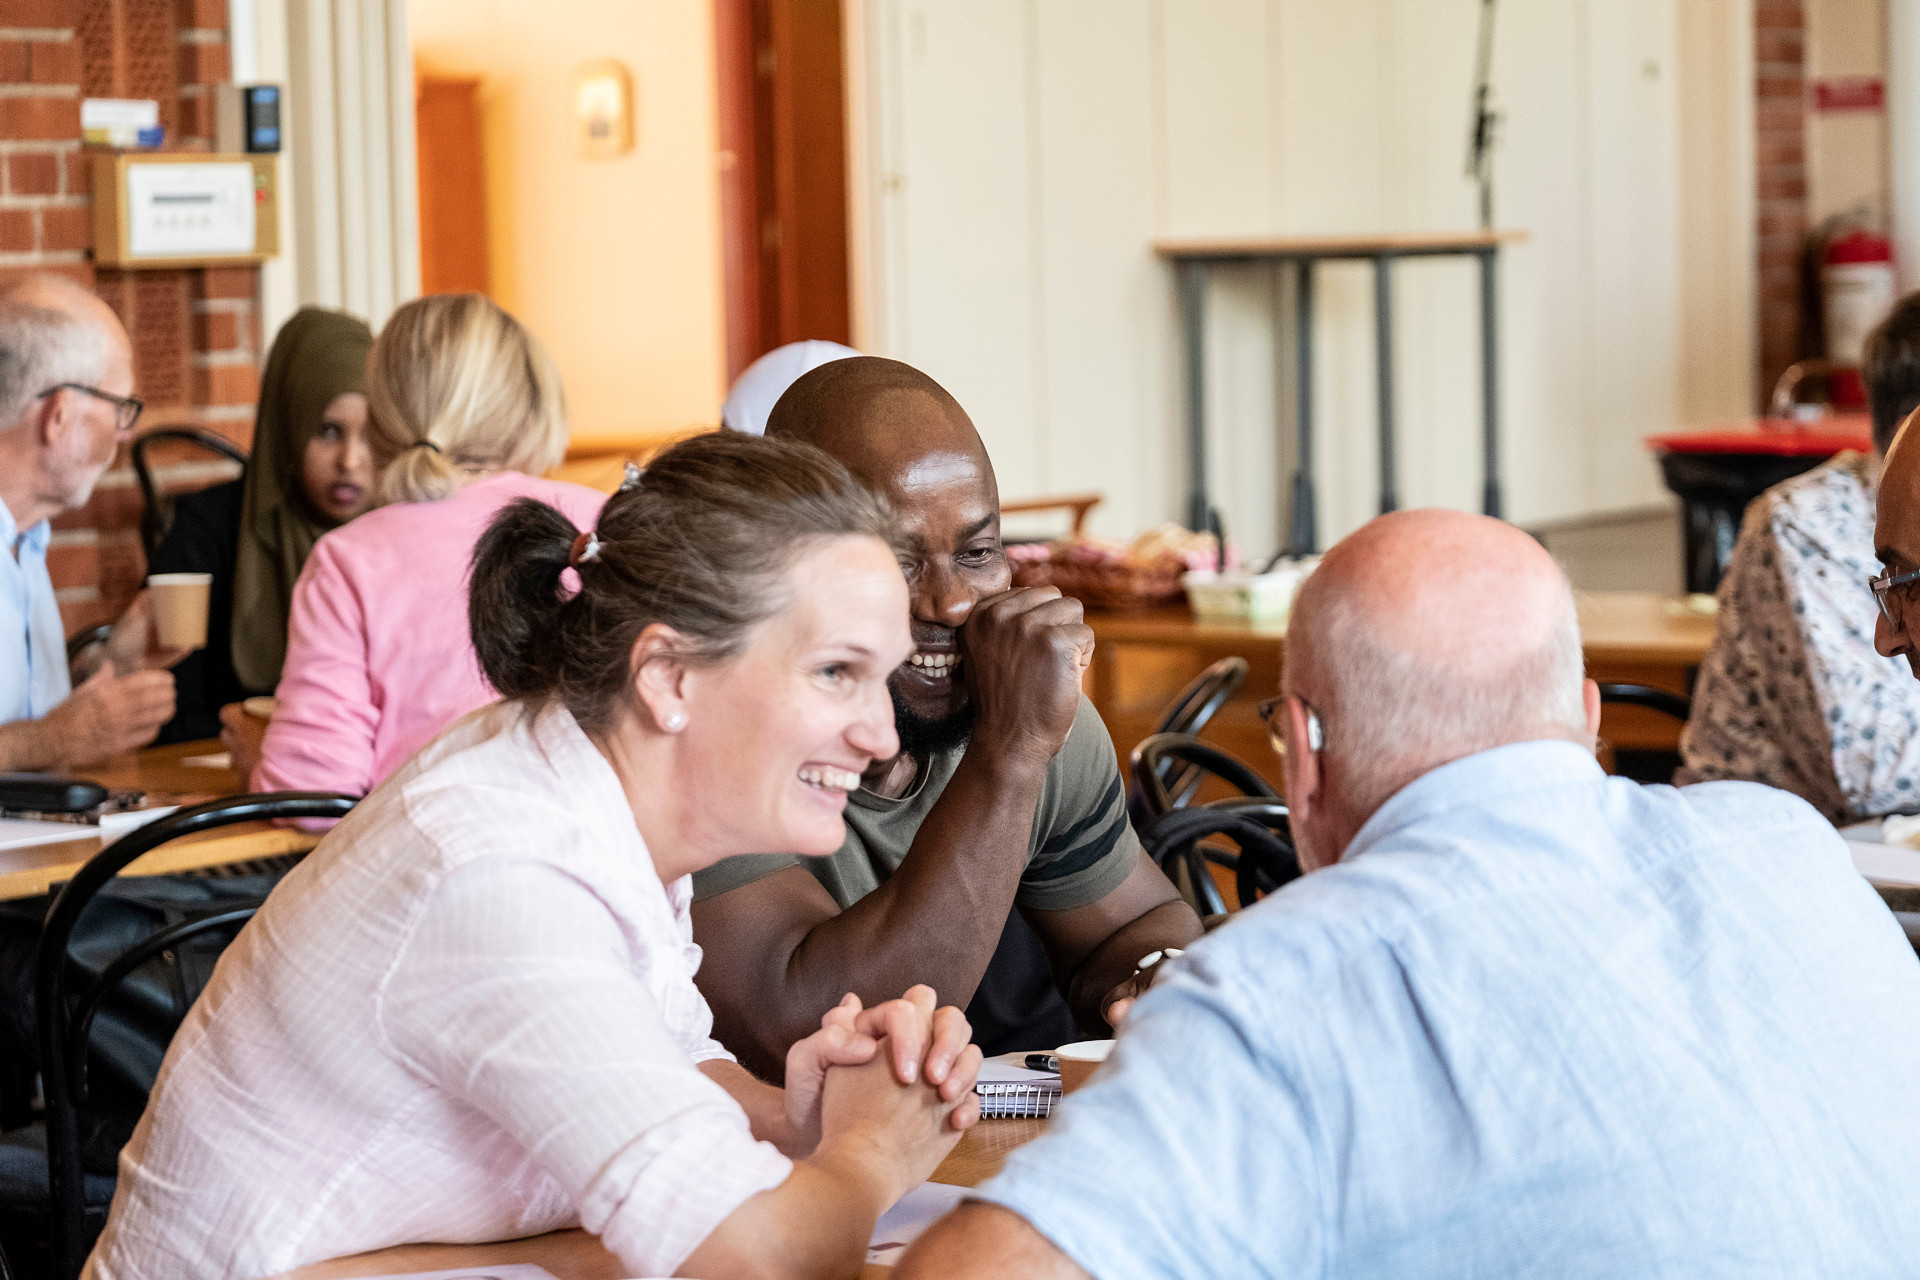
(1383,347)
(1193,314)
(1490,380)
(1302,537)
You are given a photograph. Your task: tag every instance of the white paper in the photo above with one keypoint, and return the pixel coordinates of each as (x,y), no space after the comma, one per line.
(186,210)
(993,1072)
(496,1271)
(1895,866)
(18,833)
(911,1214)
(218,760)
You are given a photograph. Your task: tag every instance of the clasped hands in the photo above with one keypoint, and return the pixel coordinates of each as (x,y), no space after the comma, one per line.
(903,1067)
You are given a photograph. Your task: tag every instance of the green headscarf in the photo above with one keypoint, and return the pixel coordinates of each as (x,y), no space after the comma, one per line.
(318,355)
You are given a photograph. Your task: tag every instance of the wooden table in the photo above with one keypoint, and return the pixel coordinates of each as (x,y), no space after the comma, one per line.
(33,869)
(1142,659)
(575,1255)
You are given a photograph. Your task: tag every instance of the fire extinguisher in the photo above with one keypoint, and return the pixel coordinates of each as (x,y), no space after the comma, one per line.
(1857,290)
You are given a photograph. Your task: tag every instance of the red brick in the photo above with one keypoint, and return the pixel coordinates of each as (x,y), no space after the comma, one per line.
(65,228)
(39,119)
(226,282)
(226,384)
(39,13)
(200,15)
(16,231)
(33,174)
(78,168)
(203,63)
(56,61)
(74,566)
(16,62)
(219,331)
(78,272)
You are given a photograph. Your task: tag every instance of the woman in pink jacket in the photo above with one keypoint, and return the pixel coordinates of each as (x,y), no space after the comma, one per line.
(466,412)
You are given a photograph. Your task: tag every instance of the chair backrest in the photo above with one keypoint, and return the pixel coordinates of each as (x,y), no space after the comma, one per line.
(1155,810)
(1646,764)
(1665,701)
(80,646)
(1153,760)
(62,1021)
(156,515)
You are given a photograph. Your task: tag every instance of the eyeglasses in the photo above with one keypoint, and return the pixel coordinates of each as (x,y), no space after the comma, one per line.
(1885,583)
(1276,735)
(126,409)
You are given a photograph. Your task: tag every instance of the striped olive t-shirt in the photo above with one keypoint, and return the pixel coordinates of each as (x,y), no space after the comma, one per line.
(1081,848)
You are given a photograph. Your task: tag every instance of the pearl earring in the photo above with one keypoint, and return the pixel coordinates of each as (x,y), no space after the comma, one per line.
(676,722)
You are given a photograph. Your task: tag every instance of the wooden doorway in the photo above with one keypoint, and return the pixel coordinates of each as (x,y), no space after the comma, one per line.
(783,175)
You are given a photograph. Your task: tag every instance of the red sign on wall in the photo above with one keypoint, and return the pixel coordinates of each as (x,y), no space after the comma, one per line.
(1850,93)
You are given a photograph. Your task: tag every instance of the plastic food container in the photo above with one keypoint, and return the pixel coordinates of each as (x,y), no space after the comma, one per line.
(1246,597)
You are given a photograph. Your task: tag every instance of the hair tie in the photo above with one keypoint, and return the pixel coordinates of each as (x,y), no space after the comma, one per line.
(631,480)
(586,548)
(424,444)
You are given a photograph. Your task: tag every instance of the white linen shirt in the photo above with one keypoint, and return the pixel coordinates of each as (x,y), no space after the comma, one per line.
(468,1015)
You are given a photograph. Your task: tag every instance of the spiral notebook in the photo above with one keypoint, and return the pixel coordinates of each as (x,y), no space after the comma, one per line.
(1008,1090)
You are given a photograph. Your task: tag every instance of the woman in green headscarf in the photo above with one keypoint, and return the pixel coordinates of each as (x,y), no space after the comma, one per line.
(311,470)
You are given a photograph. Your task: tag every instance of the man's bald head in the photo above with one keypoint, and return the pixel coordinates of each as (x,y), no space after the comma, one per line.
(885,421)
(1896,541)
(899,430)
(1431,635)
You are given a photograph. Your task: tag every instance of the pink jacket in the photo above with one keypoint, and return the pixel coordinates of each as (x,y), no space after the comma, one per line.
(378,655)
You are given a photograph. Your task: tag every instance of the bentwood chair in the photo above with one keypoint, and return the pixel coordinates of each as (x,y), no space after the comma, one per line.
(1640,764)
(156,515)
(1172,831)
(1187,715)
(67,998)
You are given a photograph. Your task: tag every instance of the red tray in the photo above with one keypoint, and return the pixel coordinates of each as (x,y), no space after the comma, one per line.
(1781,437)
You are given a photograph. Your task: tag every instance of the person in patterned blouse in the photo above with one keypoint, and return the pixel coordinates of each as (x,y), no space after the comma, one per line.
(1792,693)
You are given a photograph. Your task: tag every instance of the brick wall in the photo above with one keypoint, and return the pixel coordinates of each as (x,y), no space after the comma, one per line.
(1780,159)
(196,337)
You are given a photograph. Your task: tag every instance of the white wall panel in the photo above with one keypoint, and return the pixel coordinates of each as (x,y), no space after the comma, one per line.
(1028,151)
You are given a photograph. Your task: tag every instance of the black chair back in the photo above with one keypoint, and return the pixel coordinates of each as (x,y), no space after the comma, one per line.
(156,515)
(1171,835)
(1642,764)
(63,1019)
(1188,713)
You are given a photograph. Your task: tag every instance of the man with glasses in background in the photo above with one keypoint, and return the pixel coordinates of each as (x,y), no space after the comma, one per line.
(66,369)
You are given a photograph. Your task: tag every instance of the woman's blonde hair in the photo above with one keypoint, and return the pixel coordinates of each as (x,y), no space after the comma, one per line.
(453,383)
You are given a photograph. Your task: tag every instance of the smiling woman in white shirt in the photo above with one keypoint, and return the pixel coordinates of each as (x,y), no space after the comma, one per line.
(470,1014)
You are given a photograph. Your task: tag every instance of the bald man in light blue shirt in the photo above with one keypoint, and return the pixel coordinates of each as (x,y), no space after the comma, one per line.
(1519,1019)
(65,372)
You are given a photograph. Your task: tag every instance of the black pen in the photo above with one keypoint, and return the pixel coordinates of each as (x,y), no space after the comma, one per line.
(1043,1062)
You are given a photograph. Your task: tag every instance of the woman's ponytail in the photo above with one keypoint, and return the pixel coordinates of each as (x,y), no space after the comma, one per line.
(515,598)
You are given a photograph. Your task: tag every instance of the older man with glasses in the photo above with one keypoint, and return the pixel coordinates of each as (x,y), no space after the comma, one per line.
(1519,1018)
(66,369)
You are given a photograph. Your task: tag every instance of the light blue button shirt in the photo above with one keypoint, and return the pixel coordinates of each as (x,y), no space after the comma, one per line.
(1537,1022)
(33,647)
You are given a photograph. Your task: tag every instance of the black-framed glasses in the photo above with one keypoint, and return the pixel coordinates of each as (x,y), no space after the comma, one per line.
(126,409)
(1885,583)
(1276,734)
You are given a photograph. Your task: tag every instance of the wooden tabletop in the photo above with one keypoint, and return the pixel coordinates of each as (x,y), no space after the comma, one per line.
(1415,242)
(1615,627)
(575,1255)
(32,869)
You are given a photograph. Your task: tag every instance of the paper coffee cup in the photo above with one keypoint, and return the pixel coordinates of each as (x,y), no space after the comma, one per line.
(180,608)
(1079,1060)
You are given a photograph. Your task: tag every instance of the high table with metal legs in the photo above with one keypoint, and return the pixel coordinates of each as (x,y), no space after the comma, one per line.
(1193,258)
